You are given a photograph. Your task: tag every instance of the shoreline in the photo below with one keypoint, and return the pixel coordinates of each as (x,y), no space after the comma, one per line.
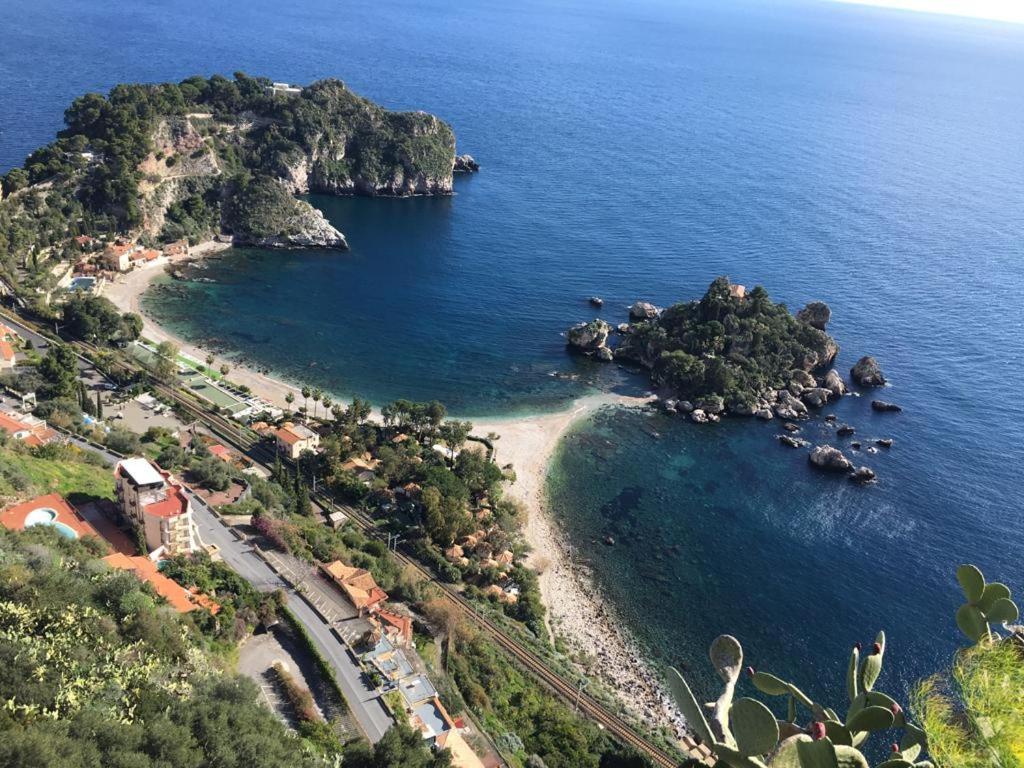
(576,611)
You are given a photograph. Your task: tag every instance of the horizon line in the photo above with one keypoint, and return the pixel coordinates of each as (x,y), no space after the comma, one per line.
(987,10)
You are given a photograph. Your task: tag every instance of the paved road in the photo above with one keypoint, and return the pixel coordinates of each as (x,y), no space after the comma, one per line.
(367,708)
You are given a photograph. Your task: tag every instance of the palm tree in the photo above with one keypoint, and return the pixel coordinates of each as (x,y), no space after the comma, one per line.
(327,403)
(289,398)
(209,361)
(317,394)
(306,392)
(225,369)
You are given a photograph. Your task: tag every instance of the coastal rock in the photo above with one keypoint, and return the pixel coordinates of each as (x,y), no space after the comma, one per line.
(803,378)
(834,383)
(765,414)
(714,418)
(845,430)
(697,416)
(792,442)
(830,459)
(885,442)
(302,227)
(465,164)
(713,405)
(789,407)
(596,301)
(789,426)
(855,445)
(604,354)
(884,407)
(623,328)
(741,408)
(795,388)
(591,338)
(816,397)
(685,406)
(863,475)
(867,372)
(643,310)
(816,313)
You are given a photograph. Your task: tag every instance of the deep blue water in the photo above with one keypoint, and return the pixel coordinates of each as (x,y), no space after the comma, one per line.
(872,159)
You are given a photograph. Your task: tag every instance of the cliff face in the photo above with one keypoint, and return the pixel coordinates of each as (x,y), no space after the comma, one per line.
(167,161)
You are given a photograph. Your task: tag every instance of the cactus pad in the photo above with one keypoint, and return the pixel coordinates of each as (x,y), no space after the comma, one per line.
(972,582)
(753,727)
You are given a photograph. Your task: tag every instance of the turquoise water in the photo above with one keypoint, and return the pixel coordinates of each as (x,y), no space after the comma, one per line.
(635,150)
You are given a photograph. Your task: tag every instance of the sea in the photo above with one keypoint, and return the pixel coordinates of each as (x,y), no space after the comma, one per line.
(869,158)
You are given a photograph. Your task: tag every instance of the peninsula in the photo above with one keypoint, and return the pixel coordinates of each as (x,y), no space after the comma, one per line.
(216,157)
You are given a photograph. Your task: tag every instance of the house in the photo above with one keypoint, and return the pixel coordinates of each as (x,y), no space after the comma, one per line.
(222,452)
(737,291)
(6,355)
(150,499)
(398,629)
(117,257)
(285,89)
(293,439)
(175,249)
(53,510)
(358,585)
(143,257)
(337,519)
(360,464)
(501,595)
(85,242)
(27,428)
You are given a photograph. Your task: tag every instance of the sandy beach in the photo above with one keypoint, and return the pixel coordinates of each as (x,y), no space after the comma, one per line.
(576,610)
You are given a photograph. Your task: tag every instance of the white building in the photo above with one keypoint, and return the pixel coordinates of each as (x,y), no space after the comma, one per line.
(151,499)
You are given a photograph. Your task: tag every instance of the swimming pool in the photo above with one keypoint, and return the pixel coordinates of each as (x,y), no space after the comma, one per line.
(47,516)
(82,284)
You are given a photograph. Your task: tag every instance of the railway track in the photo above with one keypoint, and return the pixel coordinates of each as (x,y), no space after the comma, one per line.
(245,440)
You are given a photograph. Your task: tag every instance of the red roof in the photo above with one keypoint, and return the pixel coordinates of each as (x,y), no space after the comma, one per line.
(220,451)
(6,350)
(175,504)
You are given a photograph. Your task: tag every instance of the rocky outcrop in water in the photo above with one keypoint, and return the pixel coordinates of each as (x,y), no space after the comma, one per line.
(465,164)
(642,310)
(816,314)
(867,372)
(591,339)
(885,407)
(830,459)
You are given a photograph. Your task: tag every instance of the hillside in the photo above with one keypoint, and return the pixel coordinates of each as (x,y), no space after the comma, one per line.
(173,160)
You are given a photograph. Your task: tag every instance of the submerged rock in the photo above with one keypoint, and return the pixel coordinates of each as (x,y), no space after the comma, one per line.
(596,301)
(830,459)
(867,372)
(845,430)
(885,442)
(883,406)
(789,426)
(792,442)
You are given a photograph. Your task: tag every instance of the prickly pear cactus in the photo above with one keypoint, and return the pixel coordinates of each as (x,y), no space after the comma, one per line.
(986,604)
(746,734)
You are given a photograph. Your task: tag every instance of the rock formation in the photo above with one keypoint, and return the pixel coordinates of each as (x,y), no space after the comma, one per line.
(465,164)
(830,459)
(867,372)
(591,339)
(816,314)
(884,407)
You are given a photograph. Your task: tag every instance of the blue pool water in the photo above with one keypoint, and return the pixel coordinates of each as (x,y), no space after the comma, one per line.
(869,158)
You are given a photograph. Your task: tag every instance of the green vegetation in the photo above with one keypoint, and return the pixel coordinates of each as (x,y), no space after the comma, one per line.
(979,721)
(94,672)
(96,319)
(52,468)
(727,347)
(90,180)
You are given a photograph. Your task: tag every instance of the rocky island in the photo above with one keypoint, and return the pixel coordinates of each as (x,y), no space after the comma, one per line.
(219,156)
(733,351)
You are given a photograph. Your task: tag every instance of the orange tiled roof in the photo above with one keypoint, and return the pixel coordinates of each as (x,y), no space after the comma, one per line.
(6,350)
(357,583)
(181,599)
(175,504)
(220,451)
(402,623)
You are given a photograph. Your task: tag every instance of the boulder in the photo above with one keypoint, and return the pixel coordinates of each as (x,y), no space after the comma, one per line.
(596,301)
(685,406)
(803,378)
(867,372)
(830,459)
(845,430)
(834,383)
(855,445)
(830,417)
(885,442)
(465,164)
(623,328)
(589,337)
(643,310)
(697,416)
(816,397)
(884,407)
(792,442)
(817,314)
(714,418)
(863,475)
(711,405)
(795,388)
(604,354)
(764,414)
(789,426)
(786,412)
(788,401)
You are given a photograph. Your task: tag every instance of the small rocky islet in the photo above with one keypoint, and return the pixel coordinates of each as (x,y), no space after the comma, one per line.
(736,352)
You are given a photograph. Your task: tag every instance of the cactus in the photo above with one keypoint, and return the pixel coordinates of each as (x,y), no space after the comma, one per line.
(986,604)
(745,734)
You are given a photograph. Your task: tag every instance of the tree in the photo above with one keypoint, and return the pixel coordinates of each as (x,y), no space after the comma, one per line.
(165,366)
(317,394)
(99,405)
(209,360)
(400,747)
(306,392)
(289,398)
(225,369)
(453,435)
(59,370)
(302,504)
